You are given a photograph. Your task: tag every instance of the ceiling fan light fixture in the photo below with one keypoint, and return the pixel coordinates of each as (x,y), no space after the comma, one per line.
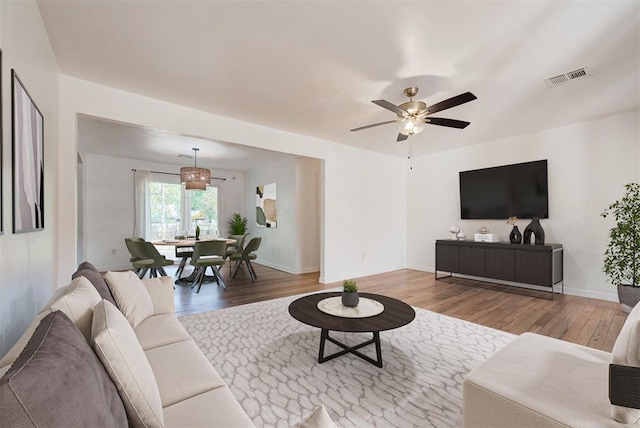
(194,177)
(411,126)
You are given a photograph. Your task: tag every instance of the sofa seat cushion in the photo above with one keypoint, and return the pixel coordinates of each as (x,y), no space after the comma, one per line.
(57,381)
(182,372)
(215,408)
(160,330)
(539,381)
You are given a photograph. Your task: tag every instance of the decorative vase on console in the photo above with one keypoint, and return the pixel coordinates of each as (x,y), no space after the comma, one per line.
(536,228)
(515,237)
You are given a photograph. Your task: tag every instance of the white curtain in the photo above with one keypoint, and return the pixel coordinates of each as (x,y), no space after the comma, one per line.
(142,206)
(185,215)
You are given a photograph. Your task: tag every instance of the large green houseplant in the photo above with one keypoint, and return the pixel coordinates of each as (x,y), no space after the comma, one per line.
(622,257)
(237,224)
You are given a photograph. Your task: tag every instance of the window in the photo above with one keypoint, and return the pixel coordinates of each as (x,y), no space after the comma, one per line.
(204,211)
(168,219)
(165,210)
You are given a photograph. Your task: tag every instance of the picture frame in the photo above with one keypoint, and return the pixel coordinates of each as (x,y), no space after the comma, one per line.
(267,206)
(1,154)
(27,159)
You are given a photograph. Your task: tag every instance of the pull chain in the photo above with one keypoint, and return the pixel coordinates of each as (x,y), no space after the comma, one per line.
(411,151)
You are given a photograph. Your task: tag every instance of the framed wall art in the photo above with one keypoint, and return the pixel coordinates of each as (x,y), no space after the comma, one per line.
(1,150)
(27,160)
(266,206)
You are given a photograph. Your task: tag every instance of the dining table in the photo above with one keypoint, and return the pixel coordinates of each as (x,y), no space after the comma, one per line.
(189,243)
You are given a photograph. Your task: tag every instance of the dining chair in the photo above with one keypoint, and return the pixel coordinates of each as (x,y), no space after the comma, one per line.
(207,254)
(149,259)
(238,246)
(246,255)
(184,253)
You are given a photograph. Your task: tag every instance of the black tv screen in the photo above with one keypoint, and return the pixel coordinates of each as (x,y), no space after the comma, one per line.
(519,190)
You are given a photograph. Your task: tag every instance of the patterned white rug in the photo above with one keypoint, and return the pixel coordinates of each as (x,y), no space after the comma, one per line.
(269,361)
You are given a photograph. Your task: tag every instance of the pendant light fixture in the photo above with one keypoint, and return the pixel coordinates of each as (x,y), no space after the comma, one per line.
(194,177)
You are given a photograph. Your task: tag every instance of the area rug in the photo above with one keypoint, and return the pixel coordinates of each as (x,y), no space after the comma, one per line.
(269,360)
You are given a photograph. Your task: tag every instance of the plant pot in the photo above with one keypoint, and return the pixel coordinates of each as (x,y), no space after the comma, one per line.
(629,296)
(350,299)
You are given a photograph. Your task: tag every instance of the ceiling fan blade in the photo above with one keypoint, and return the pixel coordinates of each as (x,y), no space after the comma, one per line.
(390,106)
(371,126)
(401,137)
(451,102)
(451,123)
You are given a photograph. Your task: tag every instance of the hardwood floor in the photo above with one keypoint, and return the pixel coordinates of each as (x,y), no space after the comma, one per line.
(590,322)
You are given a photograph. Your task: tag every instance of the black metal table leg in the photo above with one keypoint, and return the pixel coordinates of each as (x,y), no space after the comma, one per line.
(324,336)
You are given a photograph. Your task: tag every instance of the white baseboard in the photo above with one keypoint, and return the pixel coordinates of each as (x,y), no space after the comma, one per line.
(611,297)
(286,268)
(329,280)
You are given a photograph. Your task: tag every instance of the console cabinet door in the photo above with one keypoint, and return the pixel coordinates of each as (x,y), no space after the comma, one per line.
(533,268)
(500,264)
(472,261)
(447,258)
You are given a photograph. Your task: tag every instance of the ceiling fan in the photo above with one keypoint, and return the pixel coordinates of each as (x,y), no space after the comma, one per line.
(413,115)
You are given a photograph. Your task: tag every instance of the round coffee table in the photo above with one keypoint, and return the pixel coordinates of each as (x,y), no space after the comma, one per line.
(395,314)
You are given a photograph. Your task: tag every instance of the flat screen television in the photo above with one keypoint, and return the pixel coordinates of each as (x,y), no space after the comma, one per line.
(519,190)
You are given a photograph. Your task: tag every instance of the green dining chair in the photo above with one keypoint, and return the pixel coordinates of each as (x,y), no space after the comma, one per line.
(208,254)
(246,255)
(149,259)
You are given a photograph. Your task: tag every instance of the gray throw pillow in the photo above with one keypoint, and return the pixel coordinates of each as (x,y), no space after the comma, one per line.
(90,272)
(58,381)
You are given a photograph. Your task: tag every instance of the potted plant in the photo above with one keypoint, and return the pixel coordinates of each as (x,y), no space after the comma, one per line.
(622,256)
(237,224)
(350,293)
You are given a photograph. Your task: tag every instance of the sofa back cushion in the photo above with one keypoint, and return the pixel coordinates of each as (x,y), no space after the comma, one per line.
(626,352)
(117,347)
(58,381)
(131,296)
(76,300)
(90,272)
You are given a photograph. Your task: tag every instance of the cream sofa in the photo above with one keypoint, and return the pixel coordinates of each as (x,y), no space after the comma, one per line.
(189,390)
(537,381)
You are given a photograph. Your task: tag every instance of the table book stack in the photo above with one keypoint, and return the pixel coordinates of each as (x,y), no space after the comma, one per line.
(486,237)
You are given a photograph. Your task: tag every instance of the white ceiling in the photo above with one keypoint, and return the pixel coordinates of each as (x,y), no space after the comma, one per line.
(106,137)
(312,67)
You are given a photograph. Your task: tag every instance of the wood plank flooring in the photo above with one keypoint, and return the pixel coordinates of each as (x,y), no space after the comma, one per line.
(590,322)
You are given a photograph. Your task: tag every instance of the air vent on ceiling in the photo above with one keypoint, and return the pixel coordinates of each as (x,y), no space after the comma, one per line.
(561,79)
(185,156)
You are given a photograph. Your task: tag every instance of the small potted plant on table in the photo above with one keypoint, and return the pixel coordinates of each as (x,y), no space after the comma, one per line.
(350,293)
(622,257)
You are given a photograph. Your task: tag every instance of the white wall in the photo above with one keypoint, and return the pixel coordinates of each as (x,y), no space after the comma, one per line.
(308,187)
(294,245)
(27,260)
(278,247)
(588,164)
(109,206)
(363,197)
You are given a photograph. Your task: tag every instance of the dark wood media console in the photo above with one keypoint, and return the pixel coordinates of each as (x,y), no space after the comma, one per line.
(539,265)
